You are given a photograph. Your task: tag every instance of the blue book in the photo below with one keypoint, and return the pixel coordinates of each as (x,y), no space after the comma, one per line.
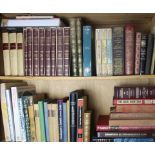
(133,139)
(46,121)
(65,123)
(87,50)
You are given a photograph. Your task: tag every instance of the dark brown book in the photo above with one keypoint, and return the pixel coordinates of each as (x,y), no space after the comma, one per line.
(53,51)
(30,50)
(66,56)
(41,51)
(35,52)
(137,53)
(129,49)
(48,51)
(59,52)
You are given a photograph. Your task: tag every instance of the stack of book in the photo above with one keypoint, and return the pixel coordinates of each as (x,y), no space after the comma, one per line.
(28,116)
(123,51)
(132,118)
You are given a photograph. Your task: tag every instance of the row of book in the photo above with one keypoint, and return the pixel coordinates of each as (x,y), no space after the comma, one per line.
(31,117)
(132,117)
(122,51)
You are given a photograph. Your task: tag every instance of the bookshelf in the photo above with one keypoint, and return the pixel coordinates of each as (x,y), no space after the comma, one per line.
(99,89)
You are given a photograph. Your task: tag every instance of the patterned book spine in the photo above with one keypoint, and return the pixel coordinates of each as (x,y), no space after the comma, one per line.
(109,52)
(48,51)
(73,47)
(143,53)
(118,50)
(150,47)
(30,50)
(104,61)
(98,50)
(59,52)
(25,52)
(13,53)
(79,46)
(66,56)
(129,49)
(87,126)
(20,54)
(41,51)
(137,53)
(35,52)
(53,51)
(87,50)
(6,53)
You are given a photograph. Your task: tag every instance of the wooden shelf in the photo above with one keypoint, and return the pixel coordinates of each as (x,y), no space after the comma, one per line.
(77,78)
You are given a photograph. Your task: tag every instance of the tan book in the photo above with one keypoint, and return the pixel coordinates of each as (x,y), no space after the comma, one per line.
(68,119)
(20,54)
(6,53)
(87,124)
(13,53)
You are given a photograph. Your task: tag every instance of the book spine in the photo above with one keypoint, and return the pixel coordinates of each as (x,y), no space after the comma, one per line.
(73,47)
(118,50)
(129,49)
(60,117)
(137,53)
(35,52)
(13,53)
(41,51)
(66,50)
(25,52)
(48,51)
(20,54)
(87,50)
(53,51)
(59,54)
(68,119)
(6,53)
(87,126)
(133,139)
(153,58)
(143,53)
(97,139)
(79,46)
(150,47)
(65,123)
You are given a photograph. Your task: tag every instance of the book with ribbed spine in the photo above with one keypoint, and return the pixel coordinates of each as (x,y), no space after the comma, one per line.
(87,125)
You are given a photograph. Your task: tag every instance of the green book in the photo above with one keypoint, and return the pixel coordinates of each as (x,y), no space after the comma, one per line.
(42,121)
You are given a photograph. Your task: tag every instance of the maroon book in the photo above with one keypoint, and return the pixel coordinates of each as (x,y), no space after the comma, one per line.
(129,49)
(53,51)
(25,52)
(30,50)
(66,58)
(48,51)
(41,51)
(137,53)
(59,52)
(35,51)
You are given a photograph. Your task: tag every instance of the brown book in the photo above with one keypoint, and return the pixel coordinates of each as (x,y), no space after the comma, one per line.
(129,49)
(137,53)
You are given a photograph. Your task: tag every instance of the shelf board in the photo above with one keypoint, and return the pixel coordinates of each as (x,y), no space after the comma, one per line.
(77,78)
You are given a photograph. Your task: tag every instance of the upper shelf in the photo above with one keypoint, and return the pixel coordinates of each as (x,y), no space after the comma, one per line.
(137,77)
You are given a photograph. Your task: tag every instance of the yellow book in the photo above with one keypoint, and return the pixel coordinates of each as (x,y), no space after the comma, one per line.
(87,125)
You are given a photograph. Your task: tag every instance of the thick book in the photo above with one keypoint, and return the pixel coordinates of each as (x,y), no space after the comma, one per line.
(129,49)
(87,125)
(6,53)
(137,53)
(13,53)
(66,51)
(143,53)
(118,50)
(150,46)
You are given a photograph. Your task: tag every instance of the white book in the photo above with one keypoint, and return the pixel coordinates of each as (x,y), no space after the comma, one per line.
(34,17)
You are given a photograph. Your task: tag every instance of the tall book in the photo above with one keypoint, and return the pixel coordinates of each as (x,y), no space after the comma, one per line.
(87,125)
(6,53)
(143,53)
(73,47)
(66,50)
(87,51)
(118,50)
(20,54)
(13,53)
(68,119)
(65,121)
(153,55)
(150,46)
(129,49)
(137,53)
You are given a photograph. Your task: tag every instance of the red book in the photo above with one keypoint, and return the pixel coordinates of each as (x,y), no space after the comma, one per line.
(137,53)
(129,49)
